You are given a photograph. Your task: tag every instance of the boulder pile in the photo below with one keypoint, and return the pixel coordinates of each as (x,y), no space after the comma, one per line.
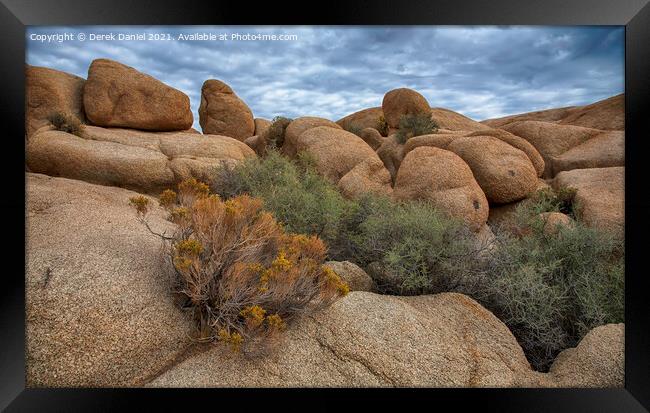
(99,308)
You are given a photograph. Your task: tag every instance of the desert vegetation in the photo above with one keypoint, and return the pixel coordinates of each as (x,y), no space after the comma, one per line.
(445,241)
(242,276)
(65,122)
(415,125)
(549,288)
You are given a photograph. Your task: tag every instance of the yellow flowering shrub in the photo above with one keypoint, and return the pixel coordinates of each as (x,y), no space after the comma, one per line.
(140,203)
(243,277)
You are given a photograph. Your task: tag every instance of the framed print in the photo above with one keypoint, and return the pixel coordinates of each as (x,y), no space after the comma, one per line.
(423,201)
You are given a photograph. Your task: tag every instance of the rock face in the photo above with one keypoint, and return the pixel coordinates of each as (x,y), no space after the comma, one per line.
(223,113)
(132,159)
(549,115)
(597,361)
(116,95)
(453,341)
(445,179)
(602,151)
(401,102)
(335,151)
(553,221)
(517,142)
(391,154)
(49,91)
(261,126)
(600,196)
(368,176)
(366,118)
(551,140)
(372,137)
(454,121)
(355,277)
(503,172)
(98,306)
(436,140)
(297,127)
(607,114)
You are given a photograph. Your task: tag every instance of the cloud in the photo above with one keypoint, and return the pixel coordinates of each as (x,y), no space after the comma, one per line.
(479,71)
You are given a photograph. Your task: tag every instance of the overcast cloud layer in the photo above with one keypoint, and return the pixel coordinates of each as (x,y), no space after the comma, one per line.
(479,71)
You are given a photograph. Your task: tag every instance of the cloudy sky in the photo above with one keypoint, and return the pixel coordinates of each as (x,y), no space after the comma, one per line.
(479,71)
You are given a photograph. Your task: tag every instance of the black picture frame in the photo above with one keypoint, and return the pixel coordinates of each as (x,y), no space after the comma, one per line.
(633,14)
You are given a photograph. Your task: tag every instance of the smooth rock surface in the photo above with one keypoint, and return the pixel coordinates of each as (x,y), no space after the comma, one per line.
(116,95)
(99,312)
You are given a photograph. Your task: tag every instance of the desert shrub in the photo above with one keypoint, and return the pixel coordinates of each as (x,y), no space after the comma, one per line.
(549,200)
(412,248)
(274,136)
(382,126)
(297,196)
(551,289)
(242,276)
(415,125)
(65,122)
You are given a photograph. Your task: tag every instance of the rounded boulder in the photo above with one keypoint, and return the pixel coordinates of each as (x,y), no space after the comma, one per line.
(443,178)
(504,172)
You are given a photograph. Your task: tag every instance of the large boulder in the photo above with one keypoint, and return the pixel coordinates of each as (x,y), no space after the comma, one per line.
(372,137)
(132,159)
(49,91)
(261,126)
(607,114)
(366,118)
(503,172)
(553,222)
(99,312)
(391,154)
(356,278)
(116,95)
(549,139)
(548,115)
(453,121)
(297,127)
(600,196)
(368,340)
(435,140)
(602,151)
(597,361)
(222,112)
(443,178)
(519,143)
(401,102)
(368,176)
(334,151)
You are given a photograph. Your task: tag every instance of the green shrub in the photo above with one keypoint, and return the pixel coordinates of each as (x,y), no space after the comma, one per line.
(549,289)
(292,191)
(65,122)
(415,125)
(552,289)
(409,248)
(274,136)
(550,200)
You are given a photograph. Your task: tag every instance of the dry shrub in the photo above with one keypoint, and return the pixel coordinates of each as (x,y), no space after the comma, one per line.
(243,277)
(65,122)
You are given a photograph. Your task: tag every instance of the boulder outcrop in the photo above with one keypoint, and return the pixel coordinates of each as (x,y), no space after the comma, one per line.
(116,95)
(222,112)
(443,178)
